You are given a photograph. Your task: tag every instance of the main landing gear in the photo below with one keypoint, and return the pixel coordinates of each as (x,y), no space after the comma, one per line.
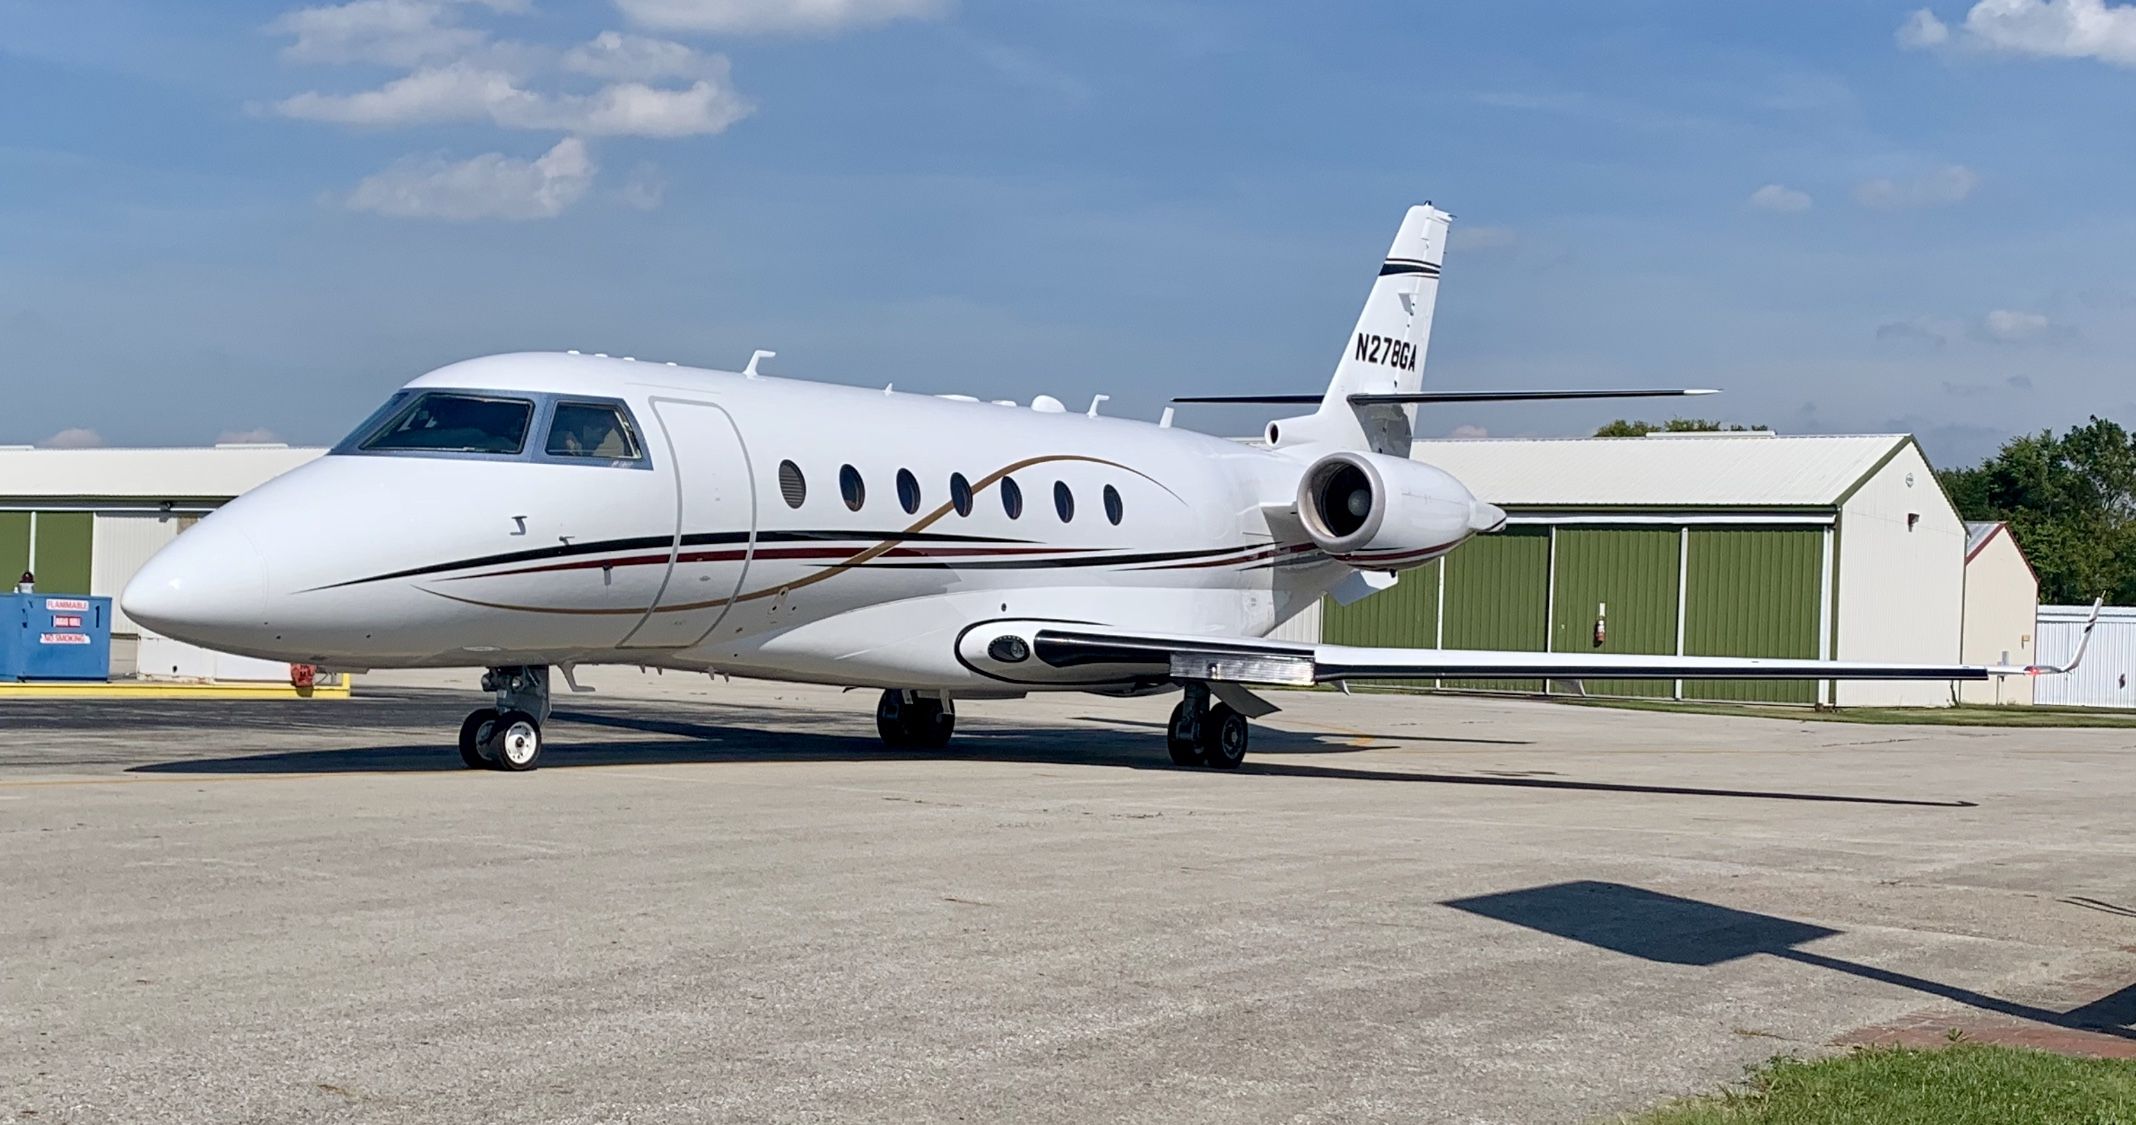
(508,735)
(908,720)
(1204,735)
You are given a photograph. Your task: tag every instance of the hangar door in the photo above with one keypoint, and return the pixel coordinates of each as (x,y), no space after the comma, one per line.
(1754,592)
(1406,616)
(53,544)
(1497,588)
(1626,578)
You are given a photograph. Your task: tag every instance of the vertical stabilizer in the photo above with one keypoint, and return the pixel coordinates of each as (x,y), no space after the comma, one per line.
(1385,353)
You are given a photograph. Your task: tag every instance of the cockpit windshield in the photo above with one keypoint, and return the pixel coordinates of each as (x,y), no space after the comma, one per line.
(585,429)
(455,423)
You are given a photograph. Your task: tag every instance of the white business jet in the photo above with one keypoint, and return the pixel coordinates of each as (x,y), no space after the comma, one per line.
(526,512)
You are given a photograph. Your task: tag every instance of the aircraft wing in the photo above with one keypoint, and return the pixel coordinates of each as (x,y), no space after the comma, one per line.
(1250,660)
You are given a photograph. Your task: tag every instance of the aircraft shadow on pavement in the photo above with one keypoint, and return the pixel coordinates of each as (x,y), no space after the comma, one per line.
(1680,931)
(688,743)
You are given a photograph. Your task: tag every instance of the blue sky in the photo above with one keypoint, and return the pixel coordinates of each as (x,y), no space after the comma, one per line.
(252,218)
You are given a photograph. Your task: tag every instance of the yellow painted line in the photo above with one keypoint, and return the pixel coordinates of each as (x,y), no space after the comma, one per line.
(150,689)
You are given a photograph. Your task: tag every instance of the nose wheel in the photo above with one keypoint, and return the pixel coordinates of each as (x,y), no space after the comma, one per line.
(1203,735)
(507,736)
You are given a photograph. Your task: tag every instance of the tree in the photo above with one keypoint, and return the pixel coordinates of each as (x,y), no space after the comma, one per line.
(2071,503)
(1623,428)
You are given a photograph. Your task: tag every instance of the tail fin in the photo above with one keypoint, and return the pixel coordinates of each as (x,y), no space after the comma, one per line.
(1385,355)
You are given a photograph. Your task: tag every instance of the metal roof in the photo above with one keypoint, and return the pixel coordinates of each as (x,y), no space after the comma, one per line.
(1703,470)
(144,474)
(1976,535)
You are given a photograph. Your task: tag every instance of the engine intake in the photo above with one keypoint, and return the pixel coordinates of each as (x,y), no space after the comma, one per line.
(1377,512)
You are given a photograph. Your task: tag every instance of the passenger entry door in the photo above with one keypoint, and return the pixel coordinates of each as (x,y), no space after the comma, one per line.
(715,524)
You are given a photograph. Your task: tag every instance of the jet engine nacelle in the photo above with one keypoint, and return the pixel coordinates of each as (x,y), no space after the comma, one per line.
(1377,512)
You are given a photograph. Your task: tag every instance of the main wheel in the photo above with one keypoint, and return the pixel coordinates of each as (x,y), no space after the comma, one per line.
(516,741)
(914,723)
(475,734)
(1186,752)
(931,723)
(1223,738)
(893,719)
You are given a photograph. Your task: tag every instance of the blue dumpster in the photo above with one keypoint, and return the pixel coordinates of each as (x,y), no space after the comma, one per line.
(55,637)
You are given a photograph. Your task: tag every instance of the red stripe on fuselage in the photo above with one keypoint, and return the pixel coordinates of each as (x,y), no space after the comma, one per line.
(736,554)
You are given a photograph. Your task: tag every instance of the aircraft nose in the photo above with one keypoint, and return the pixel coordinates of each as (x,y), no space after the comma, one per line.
(208,586)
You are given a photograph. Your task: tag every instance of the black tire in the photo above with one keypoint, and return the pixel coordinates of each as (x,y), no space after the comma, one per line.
(474,731)
(1224,736)
(516,742)
(1186,752)
(893,721)
(933,721)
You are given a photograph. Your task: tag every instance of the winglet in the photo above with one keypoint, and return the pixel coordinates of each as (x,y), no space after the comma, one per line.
(2083,643)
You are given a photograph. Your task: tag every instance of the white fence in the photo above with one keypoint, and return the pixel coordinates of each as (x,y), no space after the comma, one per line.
(2107,678)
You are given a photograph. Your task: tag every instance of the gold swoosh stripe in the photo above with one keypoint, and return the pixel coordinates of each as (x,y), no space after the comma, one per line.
(877,551)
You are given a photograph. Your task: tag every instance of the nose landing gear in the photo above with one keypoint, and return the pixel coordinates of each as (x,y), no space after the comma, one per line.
(1203,735)
(508,735)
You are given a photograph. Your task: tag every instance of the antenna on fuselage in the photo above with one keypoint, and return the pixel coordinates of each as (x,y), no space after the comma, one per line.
(1094,401)
(756,357)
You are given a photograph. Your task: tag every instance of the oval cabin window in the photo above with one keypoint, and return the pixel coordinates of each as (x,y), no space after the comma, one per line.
(1113,508)
(1011,498)
(1063,500)
(792,485)
(908,491)
(851,487)
(960,494)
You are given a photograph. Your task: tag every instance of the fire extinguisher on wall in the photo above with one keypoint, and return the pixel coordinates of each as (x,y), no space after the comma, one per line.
(1601,623)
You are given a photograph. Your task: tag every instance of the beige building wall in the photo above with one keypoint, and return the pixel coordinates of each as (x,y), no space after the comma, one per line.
(2002,605)
(1901,582)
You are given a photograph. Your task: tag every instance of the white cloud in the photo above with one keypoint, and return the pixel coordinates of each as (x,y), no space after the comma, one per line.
(449,93)
(1473,239)
(1998,326)
(74,437)
(1778,197)
(806,17)
(1468,431)
(615,56)
(467,93)
(1923,30)
(2011,326)
(633,109)
(645,190)
(2061,29)
(1934,331)
(1944,186)
(389,32)
(451,69)
(491,186)
(258,435)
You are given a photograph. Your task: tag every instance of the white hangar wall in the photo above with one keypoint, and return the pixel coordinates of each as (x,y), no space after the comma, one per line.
(1901,581)
(2002,609)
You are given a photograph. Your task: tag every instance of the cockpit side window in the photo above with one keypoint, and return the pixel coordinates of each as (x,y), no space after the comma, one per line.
(584,429)
(456,423)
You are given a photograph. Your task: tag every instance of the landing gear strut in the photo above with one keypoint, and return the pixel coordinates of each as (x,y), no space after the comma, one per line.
(908,720)
(1203,735)
(508,735)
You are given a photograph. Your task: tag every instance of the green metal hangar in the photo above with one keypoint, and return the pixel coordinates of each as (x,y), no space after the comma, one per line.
(1838,547)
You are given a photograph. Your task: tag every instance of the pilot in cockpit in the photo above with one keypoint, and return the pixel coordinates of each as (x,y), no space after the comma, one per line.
(589,432)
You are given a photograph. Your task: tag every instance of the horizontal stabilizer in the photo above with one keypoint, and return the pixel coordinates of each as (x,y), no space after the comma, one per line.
(1406,397)
(1519,396)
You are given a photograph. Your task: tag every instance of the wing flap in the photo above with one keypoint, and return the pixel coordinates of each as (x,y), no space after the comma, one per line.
(1250,660)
